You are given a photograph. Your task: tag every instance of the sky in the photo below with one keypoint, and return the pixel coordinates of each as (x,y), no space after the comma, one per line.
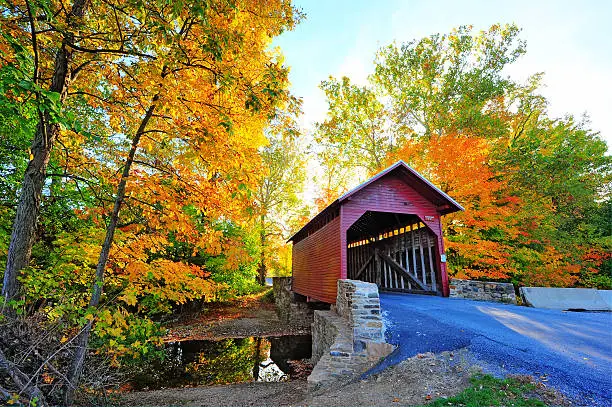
(570,41)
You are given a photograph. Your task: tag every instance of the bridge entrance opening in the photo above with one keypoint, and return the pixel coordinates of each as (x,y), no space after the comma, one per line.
(395,251)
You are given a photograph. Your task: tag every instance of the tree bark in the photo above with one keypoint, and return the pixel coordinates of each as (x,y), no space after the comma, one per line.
(28,207)
(81,342)
(261,277)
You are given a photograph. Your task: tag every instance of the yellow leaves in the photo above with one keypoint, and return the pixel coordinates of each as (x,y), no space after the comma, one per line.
(115,331)
(212,242)
(235,254)
(168,281)
(106,317)
(129,298)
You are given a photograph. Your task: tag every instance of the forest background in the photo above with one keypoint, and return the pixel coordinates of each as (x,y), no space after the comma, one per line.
(151,157)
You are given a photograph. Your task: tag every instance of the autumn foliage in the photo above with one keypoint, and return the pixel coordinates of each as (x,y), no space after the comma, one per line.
(461,166)
(535,188)
(149,121)
(151,160)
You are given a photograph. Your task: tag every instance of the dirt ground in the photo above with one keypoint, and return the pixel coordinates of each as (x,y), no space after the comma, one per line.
(248,316)
(241,394)
(415,381)
(412,382)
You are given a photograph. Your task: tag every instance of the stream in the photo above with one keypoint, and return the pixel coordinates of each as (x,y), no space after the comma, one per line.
(232,360)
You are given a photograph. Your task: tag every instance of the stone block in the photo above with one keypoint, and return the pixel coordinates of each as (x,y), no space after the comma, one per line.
(483,290)
(377,350)
(567,298)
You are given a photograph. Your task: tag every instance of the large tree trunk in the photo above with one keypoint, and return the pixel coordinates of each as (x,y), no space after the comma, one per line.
(262,271)
(24,226)
(81,342)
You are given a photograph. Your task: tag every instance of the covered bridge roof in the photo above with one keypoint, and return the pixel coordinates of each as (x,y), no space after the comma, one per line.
(443,202)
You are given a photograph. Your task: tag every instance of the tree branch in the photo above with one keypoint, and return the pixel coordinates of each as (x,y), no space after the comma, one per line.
(21,380)
(110,51)
(34,42)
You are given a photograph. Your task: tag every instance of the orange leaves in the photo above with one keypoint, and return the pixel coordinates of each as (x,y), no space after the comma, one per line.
(460,165)
(457,163)
(479,258)
(235,254)
(167,281)
(596,255)
(326,197)
(551,269)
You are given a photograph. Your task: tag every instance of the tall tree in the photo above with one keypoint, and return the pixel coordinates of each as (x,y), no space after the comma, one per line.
(277,193)
(180,86)
(52,71)
(210,89)
(450,82)
(68,47)
(17,116)
(561,171)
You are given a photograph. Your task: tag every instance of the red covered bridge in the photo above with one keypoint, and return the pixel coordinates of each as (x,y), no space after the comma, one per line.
(385,231)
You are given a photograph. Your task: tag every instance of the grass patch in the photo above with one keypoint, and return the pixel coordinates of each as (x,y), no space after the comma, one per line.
(487,390)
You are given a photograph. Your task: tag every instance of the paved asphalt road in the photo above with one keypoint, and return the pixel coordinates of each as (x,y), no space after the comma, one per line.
(573,350)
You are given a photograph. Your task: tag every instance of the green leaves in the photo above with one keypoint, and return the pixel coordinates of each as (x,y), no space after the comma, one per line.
(449,83)
(355,131)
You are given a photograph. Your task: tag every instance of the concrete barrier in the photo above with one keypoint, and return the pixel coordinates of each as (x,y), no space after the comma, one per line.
(567,298)
(606,295)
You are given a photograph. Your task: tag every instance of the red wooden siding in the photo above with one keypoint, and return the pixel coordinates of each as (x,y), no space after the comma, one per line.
(320,247)
(391,194)
(316,263)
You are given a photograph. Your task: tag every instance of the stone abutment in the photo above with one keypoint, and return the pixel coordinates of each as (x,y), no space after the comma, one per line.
(348,339)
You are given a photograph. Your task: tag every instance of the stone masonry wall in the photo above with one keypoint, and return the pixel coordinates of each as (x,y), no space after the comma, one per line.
(325,329)
(288,308)
(359,304)
(483,290)
(348,339)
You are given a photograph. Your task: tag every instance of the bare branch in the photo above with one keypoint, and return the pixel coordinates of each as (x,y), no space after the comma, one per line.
(111,51)
(21,380)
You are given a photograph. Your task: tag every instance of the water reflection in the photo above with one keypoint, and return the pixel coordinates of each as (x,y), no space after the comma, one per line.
(234,360)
